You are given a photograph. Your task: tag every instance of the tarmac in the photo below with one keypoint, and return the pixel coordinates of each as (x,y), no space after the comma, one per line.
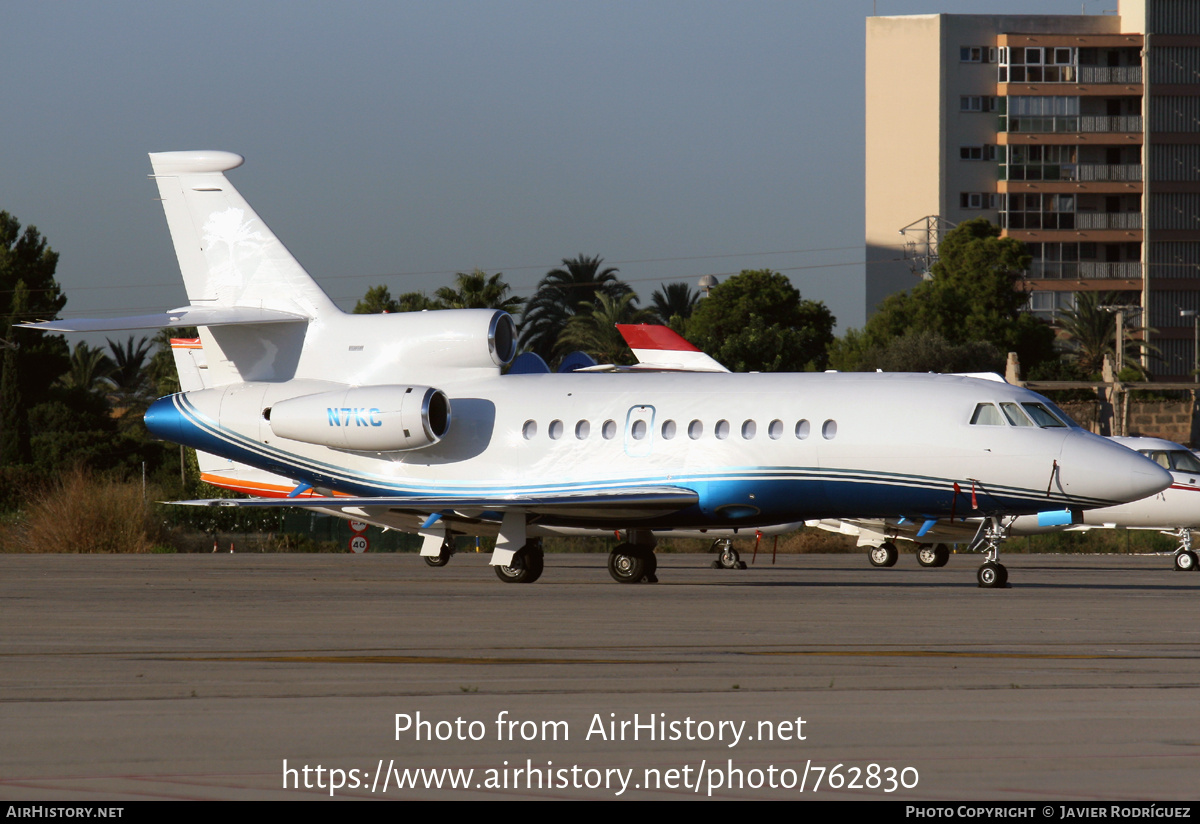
(248,676)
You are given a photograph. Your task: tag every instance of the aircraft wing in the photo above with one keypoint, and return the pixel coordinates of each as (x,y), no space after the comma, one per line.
(618,505)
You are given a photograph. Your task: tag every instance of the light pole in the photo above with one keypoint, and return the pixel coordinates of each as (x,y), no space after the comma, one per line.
(1195,316)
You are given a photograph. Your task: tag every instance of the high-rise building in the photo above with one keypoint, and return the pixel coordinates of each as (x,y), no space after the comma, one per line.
(1079,135)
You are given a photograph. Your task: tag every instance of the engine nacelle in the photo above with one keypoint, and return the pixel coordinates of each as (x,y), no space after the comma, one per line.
(365,418)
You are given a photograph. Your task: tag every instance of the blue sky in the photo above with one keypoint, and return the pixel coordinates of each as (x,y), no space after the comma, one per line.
(400,142)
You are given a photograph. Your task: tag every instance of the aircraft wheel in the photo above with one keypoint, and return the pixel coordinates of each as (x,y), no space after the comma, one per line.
(439,560)
(525,567)
(884,555)
(943,555)
(1185,561)
(649,576)
(627,564)
(992,575)
(730,558)
(927,555)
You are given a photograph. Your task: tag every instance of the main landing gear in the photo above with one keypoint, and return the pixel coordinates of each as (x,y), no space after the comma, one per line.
(443,556)
(884,555)
(992,533)
(526,565)
(727,556)
(1185,556)
(933,555)
(633,563)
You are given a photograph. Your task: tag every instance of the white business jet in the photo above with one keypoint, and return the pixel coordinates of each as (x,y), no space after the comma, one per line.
(408,421)
(1174,511)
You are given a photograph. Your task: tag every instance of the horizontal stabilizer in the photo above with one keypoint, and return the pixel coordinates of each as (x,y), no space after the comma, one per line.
(176,318)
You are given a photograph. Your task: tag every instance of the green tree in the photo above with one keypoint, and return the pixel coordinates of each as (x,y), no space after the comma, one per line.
(757,321)
(89,369)
(1090,333)
(594,328)
(14,424)
(564,293)
(975,294)
(130,376)
(25,257)
(478,290)
(379,300)
(673,304)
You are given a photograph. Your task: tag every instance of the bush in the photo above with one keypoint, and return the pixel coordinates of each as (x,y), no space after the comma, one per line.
(83,513)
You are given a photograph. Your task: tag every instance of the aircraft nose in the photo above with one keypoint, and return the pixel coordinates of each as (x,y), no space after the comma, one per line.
(1100,469)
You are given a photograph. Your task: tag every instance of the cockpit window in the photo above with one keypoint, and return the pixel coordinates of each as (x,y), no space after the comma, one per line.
(1184,462)
(1042,416)
(1176,459)
(1158,456)
(1014,414)
(986,414)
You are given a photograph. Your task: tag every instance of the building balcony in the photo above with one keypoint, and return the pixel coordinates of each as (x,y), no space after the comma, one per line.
(1108,220)
(1110,74)
(1077,124)
(1074,172)
(1085,270)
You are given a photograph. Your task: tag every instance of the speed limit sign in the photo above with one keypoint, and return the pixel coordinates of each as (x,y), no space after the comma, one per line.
(358,526)
(359,543)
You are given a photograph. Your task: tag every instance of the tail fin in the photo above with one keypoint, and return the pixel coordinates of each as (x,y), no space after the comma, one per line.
(226,253)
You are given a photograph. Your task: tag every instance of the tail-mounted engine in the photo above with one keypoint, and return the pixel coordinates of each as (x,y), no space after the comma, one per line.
(366,418)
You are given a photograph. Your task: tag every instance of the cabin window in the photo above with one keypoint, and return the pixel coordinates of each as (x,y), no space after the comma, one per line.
(695,430)
(986,414)
(775,430)
(556,430)
(609,430)
(1014,414)
(668,430)
(582,430)
(748,429)
(638,430)
(529,430)
(722,429)
(802,429)
(829,430)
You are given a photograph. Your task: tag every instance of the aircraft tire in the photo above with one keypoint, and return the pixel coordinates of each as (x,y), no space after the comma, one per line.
(439,560)
(730,558)
(627,564)
(649,576)
(1185,561)
(526,567)
(992,575)
(884,555)
(943,555)
(927,555)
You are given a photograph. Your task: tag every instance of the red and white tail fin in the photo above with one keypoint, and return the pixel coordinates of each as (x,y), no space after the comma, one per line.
(659,347)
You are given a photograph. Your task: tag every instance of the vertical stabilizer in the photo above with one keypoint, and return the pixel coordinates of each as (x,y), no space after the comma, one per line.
(227,255)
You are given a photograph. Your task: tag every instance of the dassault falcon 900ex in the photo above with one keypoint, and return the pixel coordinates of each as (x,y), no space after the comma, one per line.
(409,421)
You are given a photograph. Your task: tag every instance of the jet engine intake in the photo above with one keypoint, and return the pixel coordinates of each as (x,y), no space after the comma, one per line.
(364,418)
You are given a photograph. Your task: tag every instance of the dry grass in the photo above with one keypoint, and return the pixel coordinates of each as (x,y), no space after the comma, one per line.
(83,513)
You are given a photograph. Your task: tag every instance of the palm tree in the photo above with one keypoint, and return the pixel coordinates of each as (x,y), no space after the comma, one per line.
(674,300)
(478,290)
(595,331)
(130,376)
(1092,333)
(564,293)
(89,369)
